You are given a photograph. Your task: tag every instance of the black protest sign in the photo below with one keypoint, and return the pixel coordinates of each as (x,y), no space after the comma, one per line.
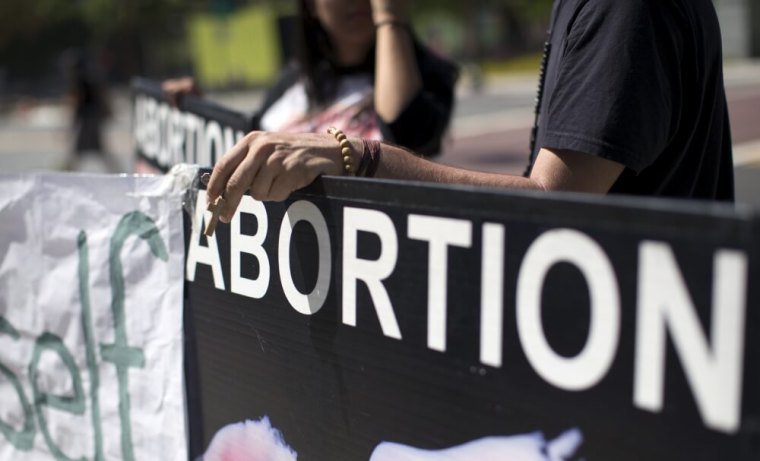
(195,131)
(386,320)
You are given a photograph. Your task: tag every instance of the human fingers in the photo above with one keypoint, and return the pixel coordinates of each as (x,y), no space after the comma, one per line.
(281,188)
(289,181)
(272,168)
(169,87)
(227,165)
(245,174)
(299,171)
(289,160)
(176,89)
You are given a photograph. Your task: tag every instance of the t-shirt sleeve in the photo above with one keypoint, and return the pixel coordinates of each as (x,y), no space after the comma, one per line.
(613,96)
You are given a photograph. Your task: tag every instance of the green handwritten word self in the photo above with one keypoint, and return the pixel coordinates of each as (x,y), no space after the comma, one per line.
(119,353)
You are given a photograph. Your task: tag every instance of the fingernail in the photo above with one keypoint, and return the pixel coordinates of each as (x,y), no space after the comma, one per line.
(205,177)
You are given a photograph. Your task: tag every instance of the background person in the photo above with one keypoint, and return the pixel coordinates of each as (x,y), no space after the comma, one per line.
(633,103)
(359,66)
(90,110)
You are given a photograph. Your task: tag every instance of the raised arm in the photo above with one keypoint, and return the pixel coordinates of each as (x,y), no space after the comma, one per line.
(397,74)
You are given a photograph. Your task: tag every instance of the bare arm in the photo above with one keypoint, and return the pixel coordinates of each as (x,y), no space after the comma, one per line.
(397,76)
(273,165)
(559,170)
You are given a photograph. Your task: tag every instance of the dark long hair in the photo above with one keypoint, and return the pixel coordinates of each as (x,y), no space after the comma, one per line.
(316,59)
(319,70)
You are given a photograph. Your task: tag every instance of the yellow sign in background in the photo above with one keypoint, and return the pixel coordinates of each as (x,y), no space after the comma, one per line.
(240,48)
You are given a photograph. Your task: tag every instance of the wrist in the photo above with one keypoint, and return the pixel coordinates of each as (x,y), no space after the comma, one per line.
(347,154)
(386,11)
(370,158)
(392,24)
(386,17)
(357,144)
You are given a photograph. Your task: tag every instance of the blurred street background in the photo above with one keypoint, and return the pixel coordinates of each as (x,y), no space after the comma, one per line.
(235,48)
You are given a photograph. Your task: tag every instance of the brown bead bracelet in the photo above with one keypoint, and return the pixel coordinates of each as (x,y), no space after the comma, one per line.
(370,159)
(346,150)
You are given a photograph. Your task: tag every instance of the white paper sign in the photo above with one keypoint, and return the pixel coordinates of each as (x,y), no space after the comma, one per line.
(91,279)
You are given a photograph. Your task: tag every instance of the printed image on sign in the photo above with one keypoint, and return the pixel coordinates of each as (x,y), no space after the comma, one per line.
(91,318)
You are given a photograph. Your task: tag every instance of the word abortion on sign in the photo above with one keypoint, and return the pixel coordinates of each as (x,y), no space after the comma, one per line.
(608,318)
(80,367)
(664,305)
(165,136)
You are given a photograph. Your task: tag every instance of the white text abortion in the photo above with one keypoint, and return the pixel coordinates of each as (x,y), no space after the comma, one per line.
(712,361)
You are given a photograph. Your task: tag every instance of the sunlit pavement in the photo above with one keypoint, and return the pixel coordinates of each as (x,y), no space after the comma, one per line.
(490,129)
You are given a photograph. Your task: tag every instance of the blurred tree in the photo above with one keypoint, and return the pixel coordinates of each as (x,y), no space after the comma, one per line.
(516,22)
(25,20)
(34,34)
(148,36)
(138,32)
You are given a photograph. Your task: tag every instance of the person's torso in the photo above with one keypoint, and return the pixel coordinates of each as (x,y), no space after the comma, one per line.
(697,160)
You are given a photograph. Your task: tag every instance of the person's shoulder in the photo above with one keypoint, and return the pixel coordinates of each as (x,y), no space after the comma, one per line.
(606,8)
(617,14)
(627,5)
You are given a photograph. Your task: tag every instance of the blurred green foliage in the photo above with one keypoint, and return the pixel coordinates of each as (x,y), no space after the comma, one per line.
(25,20)
(149,36)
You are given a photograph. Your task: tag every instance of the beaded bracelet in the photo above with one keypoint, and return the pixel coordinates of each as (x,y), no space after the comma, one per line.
(346,149)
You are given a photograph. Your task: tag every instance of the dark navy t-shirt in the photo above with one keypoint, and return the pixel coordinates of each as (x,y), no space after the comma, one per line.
(640,82)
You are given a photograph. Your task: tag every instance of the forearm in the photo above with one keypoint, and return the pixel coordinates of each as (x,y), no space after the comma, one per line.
(554,170)
(397,163)
(397,75)
(272,165)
